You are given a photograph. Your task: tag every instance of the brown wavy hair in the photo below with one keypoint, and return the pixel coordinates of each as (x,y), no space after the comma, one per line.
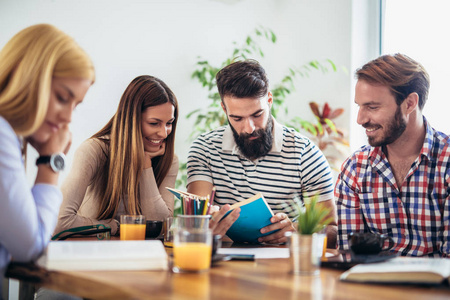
(125,147)
(400,73)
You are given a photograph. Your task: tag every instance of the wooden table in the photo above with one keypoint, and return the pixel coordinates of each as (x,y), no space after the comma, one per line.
(259,279)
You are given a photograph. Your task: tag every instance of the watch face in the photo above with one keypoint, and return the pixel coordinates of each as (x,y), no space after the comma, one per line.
(57,162)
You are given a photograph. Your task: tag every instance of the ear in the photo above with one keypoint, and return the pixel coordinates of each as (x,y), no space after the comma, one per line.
(411,102)
(223,107)
(270,99)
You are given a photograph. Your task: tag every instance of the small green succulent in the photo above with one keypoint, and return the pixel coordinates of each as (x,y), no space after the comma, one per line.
(311,218)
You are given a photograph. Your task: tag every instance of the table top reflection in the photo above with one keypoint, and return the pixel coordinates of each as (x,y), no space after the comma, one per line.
(259,279)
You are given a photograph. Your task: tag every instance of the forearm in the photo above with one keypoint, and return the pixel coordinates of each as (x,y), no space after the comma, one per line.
(46,175)
(156,203)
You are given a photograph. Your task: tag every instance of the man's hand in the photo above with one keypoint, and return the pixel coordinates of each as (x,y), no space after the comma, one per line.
(222,227)
(279,221)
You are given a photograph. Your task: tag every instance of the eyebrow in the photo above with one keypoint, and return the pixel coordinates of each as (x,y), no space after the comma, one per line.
(255,113)
(68,90)
(159,120)
(368,103)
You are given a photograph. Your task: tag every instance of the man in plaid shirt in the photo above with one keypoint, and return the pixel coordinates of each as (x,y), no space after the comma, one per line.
(398,185)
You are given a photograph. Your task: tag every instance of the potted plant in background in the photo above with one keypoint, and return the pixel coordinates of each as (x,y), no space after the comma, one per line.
(212,116)
(306,246)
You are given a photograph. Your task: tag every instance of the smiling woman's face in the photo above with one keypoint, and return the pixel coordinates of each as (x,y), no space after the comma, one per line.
(156,126)
(65,95)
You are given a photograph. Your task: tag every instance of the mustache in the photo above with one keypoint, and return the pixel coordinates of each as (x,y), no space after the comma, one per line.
(256,133)
(368,125)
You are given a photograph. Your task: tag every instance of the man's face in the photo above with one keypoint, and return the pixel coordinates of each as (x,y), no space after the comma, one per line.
(251,123)
(379,114)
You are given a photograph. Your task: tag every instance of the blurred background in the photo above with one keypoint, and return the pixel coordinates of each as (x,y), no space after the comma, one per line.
(167,39)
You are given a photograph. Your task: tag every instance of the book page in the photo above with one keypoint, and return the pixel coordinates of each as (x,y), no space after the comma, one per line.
(409,267)
(260,253)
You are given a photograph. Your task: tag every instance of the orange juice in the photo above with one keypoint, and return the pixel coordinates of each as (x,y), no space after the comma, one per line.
(168,244)
(324,249)
(132,231)
(192,256)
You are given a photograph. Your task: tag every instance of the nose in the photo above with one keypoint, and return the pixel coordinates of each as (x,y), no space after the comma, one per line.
(163,132)
(66,114)
(249,126)
(362,117)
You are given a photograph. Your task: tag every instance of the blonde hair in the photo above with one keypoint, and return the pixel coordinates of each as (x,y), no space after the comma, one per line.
(124,154)
(28,62)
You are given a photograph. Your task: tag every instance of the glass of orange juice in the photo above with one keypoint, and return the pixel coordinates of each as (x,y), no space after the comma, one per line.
(192,250)
(192,245)
(132,227)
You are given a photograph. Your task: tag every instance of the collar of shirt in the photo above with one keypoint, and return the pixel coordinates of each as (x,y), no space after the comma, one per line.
(229,144)
(376,154)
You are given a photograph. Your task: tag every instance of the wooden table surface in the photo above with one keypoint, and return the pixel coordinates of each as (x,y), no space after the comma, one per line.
(259,279)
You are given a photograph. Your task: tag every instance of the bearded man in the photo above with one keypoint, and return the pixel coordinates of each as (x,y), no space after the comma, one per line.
(399,184)
(255,154)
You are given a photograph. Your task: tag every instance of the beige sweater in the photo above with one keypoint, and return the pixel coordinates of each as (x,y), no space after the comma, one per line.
(80,203)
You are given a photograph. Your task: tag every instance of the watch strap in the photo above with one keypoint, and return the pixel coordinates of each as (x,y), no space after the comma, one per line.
(45,159)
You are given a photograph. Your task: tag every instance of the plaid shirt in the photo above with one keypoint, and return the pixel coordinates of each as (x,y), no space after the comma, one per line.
(416,215)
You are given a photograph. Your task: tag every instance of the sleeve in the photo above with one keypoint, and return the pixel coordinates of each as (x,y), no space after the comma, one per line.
(350,217)
(445,249)
(87,161)
(157,203)
(198,166)
(27,217)
(316,174)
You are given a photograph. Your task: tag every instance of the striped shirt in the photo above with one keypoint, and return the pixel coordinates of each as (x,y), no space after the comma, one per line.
(416,215)
(294,166)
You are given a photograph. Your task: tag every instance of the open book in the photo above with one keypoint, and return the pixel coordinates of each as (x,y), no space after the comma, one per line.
(104,255)
(402,270)
(179,194)
(255,214)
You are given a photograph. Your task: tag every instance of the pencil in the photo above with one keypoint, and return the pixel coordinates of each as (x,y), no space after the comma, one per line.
(211,199)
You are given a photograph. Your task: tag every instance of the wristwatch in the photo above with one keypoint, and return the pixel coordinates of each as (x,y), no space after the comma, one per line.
(56,161)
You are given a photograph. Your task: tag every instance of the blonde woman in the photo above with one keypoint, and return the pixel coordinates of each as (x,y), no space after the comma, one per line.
(44,75)
(125,167)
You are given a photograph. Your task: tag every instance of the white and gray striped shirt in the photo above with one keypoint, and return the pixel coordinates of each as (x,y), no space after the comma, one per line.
(294,166)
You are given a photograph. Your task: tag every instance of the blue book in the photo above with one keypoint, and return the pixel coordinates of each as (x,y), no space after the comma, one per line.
(255,214)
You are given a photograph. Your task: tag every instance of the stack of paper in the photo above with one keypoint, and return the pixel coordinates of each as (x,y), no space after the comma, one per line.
(104,255)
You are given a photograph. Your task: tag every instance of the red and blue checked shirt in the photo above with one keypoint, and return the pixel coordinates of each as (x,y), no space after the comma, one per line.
(416,215)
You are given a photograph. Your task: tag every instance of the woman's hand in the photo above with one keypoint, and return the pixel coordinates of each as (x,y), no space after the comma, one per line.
(58,142)
(150,155)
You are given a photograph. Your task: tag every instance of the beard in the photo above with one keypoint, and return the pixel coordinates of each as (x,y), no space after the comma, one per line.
(259,147)
(394,130)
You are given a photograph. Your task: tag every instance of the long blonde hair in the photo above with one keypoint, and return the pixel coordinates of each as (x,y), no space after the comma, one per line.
(125,147)
(28,62)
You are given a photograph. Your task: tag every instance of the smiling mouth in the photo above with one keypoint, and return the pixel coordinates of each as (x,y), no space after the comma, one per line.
(155,142)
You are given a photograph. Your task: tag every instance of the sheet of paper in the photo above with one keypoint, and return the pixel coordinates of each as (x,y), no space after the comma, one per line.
(260,253)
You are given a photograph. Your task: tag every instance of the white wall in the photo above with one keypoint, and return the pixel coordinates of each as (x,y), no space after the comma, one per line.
(127,38)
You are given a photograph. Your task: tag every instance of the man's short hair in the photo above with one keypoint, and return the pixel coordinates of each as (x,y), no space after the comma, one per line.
(242,79)
(402,74)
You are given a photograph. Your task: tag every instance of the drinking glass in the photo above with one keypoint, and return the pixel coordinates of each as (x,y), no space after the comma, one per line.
(192,244)
(192,249)
(132,227)
(168,230)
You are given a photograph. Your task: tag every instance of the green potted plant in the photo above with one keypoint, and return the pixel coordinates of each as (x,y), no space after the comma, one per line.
(307,244)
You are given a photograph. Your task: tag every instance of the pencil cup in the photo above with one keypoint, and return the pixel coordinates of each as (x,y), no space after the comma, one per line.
(193,221)
(192,249)
(132,227)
